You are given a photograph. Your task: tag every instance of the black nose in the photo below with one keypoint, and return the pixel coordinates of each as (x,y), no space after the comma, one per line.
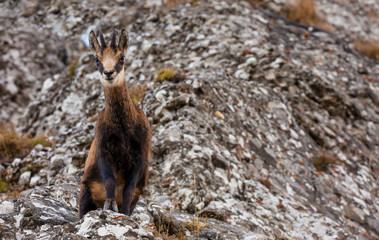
(108,73)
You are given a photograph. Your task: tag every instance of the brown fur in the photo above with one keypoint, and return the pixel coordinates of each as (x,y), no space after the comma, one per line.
(120,151)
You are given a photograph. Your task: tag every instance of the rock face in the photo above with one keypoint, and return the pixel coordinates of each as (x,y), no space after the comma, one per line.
(271,130)
(29,55)
(50,213)
(340,17)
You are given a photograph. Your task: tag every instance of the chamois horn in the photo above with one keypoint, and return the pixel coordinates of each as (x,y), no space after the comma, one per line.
(113,41)
(102,41)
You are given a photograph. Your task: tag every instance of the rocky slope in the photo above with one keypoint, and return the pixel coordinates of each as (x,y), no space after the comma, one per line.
(271,130)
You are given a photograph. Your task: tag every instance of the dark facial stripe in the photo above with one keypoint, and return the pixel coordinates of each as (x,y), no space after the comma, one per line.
(100,67)
(119,65)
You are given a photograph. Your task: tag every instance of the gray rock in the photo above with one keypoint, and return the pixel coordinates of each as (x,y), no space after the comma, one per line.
(24,178)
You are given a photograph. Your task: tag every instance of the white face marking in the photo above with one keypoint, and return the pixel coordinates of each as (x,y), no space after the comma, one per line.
(117,81)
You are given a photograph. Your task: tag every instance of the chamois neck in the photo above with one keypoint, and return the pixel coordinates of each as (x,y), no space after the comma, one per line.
(118,103)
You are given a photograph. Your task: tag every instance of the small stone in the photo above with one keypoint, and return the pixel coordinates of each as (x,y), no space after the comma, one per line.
(38,147)
(270,75)
(24,178)
(292,89)
(167,116)
(57,161)
(241,74)
(294,134)
(6,208)
(34,180)
(47,84)
(160,95)
(252,61)
(16,162)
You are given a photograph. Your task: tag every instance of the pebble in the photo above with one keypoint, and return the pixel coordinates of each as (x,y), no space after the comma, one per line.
(6,207)
(24,178)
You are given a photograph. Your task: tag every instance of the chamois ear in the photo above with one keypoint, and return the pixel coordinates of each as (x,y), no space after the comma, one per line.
(93,43)
(123,44)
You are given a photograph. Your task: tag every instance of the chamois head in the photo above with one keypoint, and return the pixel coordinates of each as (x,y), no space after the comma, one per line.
(110,59)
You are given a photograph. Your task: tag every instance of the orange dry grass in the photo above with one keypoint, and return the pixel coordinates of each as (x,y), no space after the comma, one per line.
(322,161)
(370,48)
(196,225)
(304,11)
(5,128)
(12,145)
(137,92)
(257,3)
(173,3)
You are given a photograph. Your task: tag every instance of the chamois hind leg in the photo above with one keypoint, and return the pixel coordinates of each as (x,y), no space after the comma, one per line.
(86,203)
(109,185)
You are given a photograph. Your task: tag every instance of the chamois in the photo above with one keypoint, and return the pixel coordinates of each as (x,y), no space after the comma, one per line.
(116,169)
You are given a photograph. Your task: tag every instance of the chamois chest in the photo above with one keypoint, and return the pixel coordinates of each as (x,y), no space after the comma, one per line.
(119,144)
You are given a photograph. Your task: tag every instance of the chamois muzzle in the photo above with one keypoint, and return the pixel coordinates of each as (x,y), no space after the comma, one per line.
(109,75)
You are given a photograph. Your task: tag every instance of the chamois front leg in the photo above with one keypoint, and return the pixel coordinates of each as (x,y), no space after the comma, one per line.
(109,185)
(127,192)
(133,177)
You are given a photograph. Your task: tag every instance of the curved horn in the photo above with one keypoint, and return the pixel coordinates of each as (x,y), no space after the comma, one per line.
(113,41)
(102,41)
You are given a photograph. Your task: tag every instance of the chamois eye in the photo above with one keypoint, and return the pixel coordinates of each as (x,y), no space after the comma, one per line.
(122,58)
(97,60)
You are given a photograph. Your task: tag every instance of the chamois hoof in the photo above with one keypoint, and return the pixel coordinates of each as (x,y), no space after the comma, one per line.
(110,202)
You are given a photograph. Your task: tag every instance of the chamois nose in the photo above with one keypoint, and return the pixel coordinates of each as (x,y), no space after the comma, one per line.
(108,73)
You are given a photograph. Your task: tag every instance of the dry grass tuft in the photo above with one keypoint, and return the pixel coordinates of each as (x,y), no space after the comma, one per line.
(174,3)
(12,194)
(167,74)
(196,226)
(73,67)
(257,3)
(137,92)
(162,231)
(166,236)
(265,182)
(167,227)
(12,145)
(304,11)
(322,161)
(4,186)
(5,128)
(370,48)
(164,74)
(40,140)
(94,118)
